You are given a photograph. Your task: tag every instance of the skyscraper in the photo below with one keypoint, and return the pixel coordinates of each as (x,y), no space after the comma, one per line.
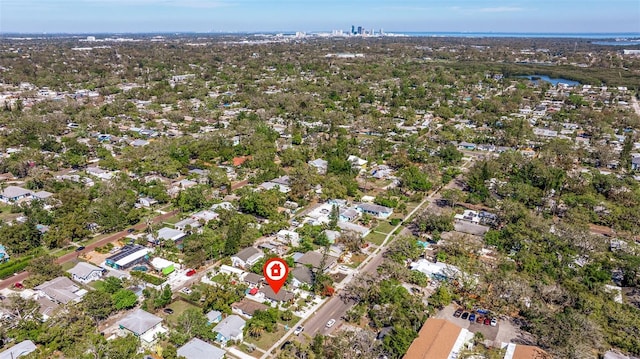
(353,29)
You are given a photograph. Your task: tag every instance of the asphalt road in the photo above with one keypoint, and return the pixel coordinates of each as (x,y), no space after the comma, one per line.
(74,255)
(336,307)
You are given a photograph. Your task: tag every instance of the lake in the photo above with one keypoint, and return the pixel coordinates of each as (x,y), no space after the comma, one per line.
(536,78)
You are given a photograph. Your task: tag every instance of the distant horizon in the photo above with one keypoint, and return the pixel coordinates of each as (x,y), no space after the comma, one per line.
(255,16)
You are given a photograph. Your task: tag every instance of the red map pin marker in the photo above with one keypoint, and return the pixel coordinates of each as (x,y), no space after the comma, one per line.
(275,271)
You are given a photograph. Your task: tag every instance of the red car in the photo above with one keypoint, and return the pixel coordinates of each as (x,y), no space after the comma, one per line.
(190,272)
(18,285)
(487,321)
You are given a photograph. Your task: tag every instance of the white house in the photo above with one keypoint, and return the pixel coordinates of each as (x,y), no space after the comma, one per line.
(100,173)
(84,272)
(374,210)
(144,325)
(289,237)
(320,165)
(247,257)
(230,328)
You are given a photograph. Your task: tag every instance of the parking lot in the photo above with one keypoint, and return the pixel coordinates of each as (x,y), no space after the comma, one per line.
(504,331)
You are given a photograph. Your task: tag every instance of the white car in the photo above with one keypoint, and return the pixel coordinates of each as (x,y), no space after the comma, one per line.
(186,291)
(298,330)
(330,323)
(344,268)
(494,322)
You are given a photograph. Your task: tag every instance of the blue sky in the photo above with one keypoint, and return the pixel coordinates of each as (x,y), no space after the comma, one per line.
(88,16)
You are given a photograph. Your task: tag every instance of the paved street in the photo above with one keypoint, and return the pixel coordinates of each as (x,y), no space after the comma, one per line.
(73,255)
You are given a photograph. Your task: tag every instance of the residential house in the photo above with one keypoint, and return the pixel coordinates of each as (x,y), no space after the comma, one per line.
(332,235)
(357,162)
(438,339)
(230,328)
(316,259)
(21,349)
(227,206)
(12,194)
(290,237)
(252,279)
(84,272)
(213,317)
(375,210)
(283,295)
(320,165)
(247,257)
(302,275)
(42,195)
(128,256)
(100,173)
(4,256)
(348,226)
(635,163)
(187,224)
(381,172)
(147,201)
(247,307)
(517,351)
(166,234)
(467,146)
(438,270)
(205,216)
(199,349)
(139,143)
(60,290)
(142,324)
(348,214)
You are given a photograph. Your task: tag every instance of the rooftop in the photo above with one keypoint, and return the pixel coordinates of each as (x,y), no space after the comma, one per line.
(139,321)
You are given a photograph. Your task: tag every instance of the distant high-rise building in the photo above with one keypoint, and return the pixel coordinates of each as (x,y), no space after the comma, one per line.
(353,29)
(360,30)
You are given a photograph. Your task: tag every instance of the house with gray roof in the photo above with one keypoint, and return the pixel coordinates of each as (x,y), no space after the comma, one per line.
(230,328)
(84,272)
(12,194)
(199,349)
(320,165)
(283,295)
(213,316)
(167,234)
(315,260)
(19,350)
(60,290)
(142,324)
(374,210)
(247,307)
(301,275)
(247,257)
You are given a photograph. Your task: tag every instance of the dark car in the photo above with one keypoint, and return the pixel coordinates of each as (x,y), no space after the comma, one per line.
(472,318)
(465,315)
(458,313)
(131,230)
(168,310)
(480,319)
(79,248)
(487,321)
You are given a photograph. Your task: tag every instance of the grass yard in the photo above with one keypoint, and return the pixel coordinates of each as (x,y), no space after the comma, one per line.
(384,227)
(375,238)
(179,307)
(266,340)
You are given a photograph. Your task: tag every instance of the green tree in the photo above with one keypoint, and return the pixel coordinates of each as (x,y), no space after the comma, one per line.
(98,305)
(124,299)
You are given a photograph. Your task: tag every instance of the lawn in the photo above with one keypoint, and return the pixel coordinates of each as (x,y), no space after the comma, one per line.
(179,307)
(384,227)
(172,220)
(266,340)
(375,238)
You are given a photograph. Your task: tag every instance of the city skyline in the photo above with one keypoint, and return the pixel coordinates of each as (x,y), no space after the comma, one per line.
(518,16)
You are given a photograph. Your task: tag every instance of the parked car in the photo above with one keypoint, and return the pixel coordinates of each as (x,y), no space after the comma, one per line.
(465,315)
(79,248)
(472,318)
(480,319)
(186,291)
(487,321)
(458,313)
(168,310)
(330,323)
(131,230)
(190,272)
(18,285)
(298,330)
(494,322)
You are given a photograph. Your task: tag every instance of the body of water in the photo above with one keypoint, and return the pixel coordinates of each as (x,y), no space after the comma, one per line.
(625,42)
(536,78)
